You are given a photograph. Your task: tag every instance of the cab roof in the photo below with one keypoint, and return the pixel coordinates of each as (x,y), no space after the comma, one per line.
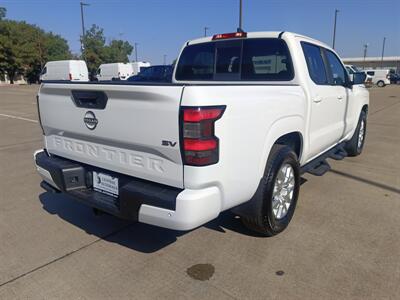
(264,34)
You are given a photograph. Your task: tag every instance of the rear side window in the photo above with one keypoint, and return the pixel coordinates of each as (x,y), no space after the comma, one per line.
(44,71)
(338,74)
(372,73)
(315,63)
(248,60)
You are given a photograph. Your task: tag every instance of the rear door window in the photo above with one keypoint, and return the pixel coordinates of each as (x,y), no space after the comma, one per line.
(315,63)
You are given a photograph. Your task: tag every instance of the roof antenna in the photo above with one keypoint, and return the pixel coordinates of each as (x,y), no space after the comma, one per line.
(240,17)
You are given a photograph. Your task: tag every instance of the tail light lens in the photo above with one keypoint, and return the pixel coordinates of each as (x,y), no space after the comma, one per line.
(70,76)
(223,36)
(200,146)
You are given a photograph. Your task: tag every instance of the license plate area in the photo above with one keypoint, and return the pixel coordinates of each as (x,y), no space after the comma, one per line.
(106,184)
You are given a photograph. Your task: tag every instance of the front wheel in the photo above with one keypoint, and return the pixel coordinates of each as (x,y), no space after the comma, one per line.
(355,146)
(277,194)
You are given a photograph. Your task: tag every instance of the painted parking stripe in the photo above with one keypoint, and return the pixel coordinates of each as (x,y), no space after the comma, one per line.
(18,118)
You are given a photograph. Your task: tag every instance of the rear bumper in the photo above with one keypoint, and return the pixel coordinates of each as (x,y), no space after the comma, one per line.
(140,200)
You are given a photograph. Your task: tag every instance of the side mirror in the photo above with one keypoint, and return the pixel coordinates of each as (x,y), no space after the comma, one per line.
(358,78)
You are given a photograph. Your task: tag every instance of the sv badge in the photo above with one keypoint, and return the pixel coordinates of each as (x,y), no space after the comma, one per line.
(168,143)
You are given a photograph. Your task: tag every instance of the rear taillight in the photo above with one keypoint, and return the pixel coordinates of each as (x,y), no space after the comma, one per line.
(200,146)
(70,76)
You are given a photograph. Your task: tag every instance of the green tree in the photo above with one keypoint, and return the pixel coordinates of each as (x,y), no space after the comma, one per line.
(97,52)
(93,52)
(18,48)
(50,47)
(118,51)
(25,48)
(3,13)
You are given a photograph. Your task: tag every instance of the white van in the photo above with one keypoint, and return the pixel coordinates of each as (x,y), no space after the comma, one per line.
(138,66)
(114,71)
(379,77)
(71,70)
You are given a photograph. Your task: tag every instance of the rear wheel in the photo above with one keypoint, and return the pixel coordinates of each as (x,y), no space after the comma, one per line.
(380,83)
(355,146)
(277,194)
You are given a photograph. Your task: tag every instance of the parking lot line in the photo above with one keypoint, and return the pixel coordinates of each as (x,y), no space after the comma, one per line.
(18,118)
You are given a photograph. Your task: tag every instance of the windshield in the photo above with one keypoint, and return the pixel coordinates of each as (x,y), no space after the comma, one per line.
(249,60)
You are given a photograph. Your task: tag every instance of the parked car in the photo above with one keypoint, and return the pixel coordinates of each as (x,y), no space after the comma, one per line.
(379,77)
(394,78)
(154,74)
(139,66)
(245,115)
(114,71)
(71,70)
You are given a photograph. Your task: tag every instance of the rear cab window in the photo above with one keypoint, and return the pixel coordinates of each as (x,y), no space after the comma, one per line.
(253,59)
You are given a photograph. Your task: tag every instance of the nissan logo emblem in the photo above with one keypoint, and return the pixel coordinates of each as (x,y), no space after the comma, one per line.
(90,120)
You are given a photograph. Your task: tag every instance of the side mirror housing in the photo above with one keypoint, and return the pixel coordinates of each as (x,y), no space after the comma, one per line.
(358,78)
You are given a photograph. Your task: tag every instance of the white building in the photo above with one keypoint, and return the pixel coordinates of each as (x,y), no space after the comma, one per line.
(388,62)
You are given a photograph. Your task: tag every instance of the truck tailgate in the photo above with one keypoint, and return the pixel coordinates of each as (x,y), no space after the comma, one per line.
(136,133)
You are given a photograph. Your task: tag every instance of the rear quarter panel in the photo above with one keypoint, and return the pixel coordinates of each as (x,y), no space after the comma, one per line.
(255,117)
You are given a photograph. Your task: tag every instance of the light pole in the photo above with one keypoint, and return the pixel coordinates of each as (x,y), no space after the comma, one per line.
(205,30)
(334,29)
(165,59)
(383,51)
(240,28)
(83,27)
(136,44)
(365,53)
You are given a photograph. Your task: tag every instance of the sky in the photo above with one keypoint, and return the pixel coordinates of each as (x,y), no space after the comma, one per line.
(161,27)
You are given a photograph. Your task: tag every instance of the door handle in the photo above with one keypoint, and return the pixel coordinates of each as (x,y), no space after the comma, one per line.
(340,97)
(317,99)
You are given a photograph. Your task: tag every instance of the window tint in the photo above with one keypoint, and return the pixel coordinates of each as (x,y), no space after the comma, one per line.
(228,60)
(315,63)
(372,73)
(248,59)
(266,59)
(337,71)
(196,62)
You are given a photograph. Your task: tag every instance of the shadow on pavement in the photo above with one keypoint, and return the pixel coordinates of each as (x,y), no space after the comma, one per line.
(367,181)
(137,236)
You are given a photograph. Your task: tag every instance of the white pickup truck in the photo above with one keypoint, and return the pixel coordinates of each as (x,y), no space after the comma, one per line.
(245,115)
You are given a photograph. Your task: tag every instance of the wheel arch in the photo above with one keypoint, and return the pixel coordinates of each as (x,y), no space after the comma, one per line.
(286,131)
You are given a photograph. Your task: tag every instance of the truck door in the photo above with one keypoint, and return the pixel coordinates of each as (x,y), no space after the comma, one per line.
(328,101)
(340,95)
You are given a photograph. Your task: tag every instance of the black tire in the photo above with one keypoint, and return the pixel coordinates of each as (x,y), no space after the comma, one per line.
(352,147)
(263,219)
(380,83)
